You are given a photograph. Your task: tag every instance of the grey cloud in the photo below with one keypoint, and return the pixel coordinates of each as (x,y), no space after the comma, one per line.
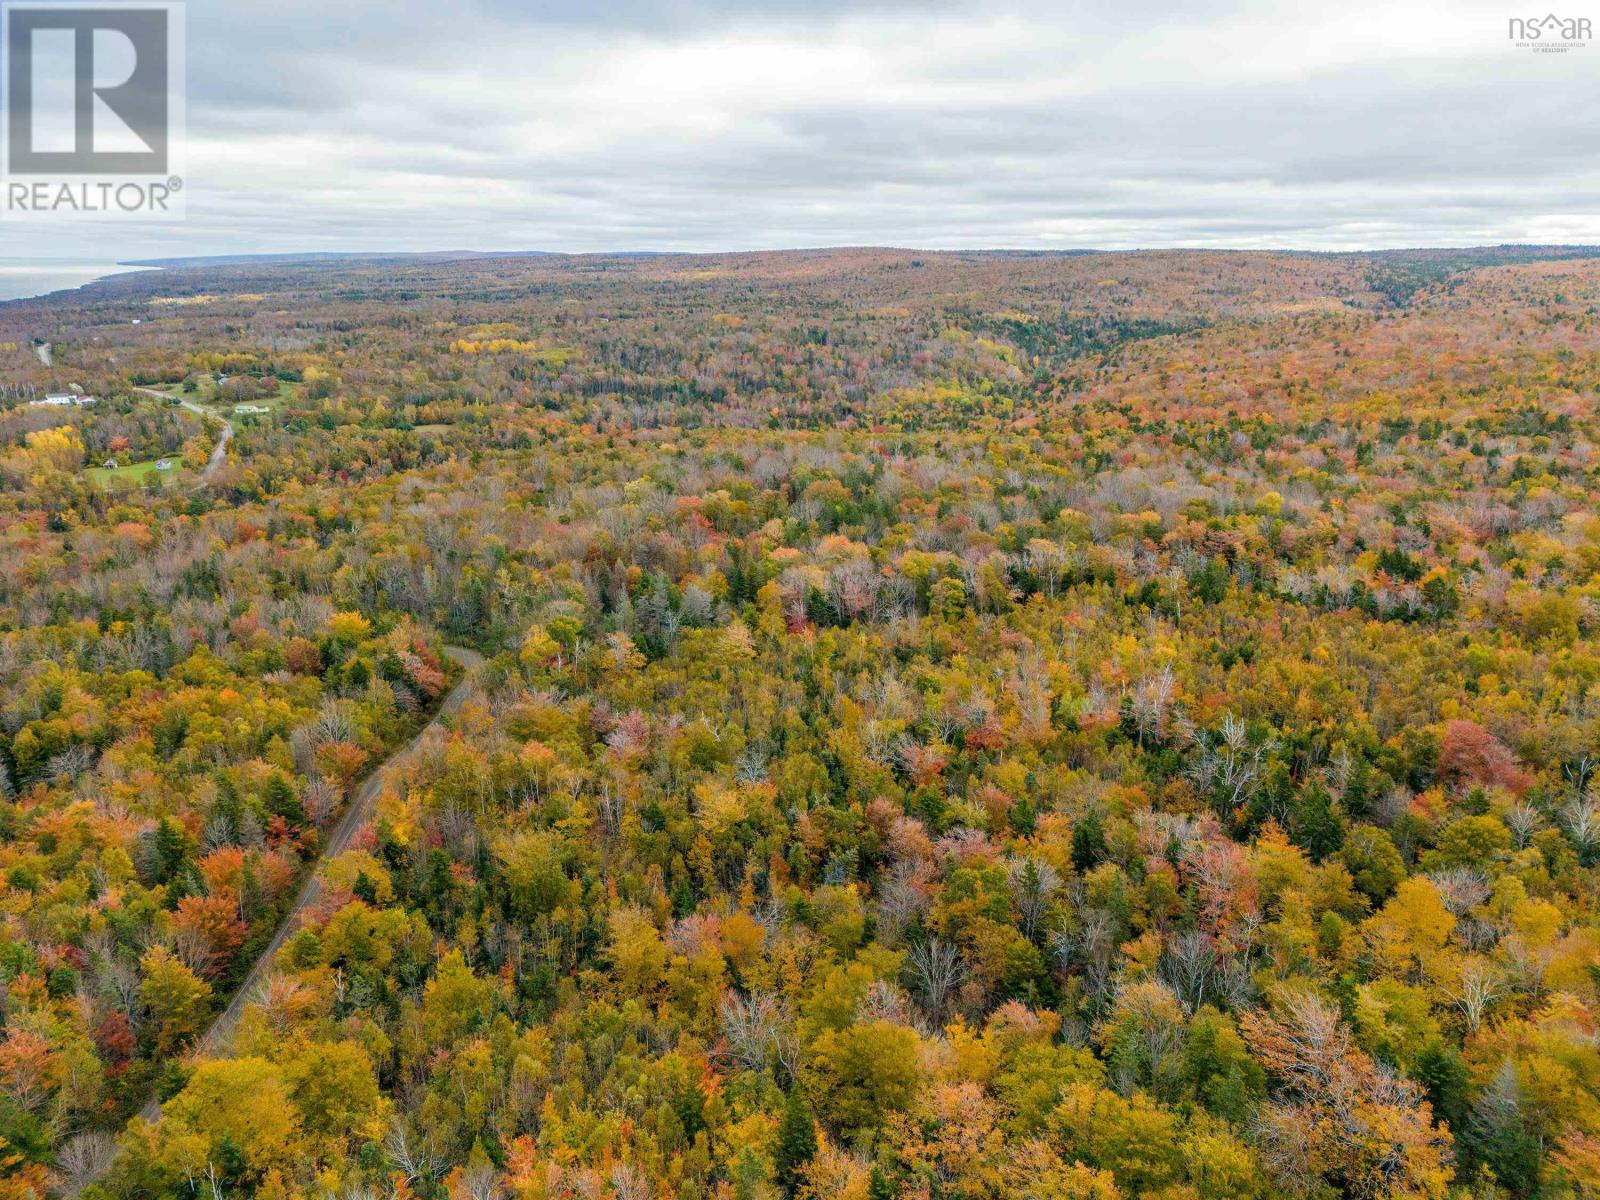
(644,125)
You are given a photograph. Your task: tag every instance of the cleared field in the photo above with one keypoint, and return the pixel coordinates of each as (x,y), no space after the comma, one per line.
(141,473)
(285,393)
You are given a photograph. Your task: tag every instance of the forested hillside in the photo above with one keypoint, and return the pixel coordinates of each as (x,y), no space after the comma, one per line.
(953,726)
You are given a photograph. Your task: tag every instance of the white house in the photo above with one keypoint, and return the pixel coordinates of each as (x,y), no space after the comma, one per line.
(251,408)
(64,400)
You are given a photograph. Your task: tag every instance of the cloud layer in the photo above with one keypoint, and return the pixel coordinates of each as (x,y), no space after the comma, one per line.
(640,125)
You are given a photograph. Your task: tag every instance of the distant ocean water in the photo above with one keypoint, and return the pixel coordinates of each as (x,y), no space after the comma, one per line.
(24,277)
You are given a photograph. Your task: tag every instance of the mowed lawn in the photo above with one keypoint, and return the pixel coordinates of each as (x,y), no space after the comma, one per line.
(285,393)
(141,473)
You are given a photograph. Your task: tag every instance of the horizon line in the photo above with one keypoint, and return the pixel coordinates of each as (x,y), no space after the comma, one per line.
(461,252)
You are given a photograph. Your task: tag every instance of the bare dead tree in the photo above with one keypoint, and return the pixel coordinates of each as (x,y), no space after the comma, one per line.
(1033,885)
(1523,820)
(1189,967)
(1581,819)
(480,1181)
(1476,992)
(414,1163)
(83,1158)
(1149,704)
(628,1182)
(1461,888)
(936,971)
(1579,773)
(1229,763)
(748,1027)
(759,1031)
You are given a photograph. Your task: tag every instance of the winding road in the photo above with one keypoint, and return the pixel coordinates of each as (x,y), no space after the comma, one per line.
(219,452)
(220,1032)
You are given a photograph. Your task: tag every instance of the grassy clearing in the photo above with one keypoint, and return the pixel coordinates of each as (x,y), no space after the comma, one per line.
(286,393)
(139,473)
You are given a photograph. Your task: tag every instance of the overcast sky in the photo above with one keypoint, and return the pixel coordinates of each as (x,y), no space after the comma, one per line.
(584,125)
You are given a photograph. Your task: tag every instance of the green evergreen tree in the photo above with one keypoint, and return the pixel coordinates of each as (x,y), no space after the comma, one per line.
(797,1140)
(1441,1071)
(1317,828)
(1088,842)
(171,850)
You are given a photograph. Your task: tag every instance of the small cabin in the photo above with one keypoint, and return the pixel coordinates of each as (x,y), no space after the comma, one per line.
(164,464)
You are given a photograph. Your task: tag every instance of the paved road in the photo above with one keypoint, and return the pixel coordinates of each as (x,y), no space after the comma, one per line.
(219,452)
(218,1036)
(43,351)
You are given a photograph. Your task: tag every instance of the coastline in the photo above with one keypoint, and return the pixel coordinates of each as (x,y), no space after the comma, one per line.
(31,279)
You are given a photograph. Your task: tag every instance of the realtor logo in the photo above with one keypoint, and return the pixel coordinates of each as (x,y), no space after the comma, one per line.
(1550,34)
(93,106)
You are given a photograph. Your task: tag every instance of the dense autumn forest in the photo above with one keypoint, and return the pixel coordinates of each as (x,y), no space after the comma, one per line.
(951,726)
